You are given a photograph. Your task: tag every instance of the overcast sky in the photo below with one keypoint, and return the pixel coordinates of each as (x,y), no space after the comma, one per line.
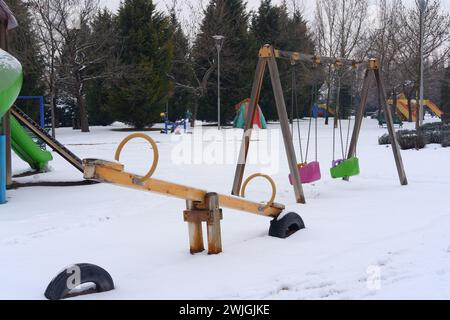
(253,4)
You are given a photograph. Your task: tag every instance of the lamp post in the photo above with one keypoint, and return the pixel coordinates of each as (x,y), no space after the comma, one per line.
(219,44)
(423,5)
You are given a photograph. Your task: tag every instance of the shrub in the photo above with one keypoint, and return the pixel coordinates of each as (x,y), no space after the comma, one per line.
(445,137)
(384,140)
(410,139)
(407,139)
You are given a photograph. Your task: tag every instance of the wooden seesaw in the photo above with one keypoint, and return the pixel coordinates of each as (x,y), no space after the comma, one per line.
(202,206)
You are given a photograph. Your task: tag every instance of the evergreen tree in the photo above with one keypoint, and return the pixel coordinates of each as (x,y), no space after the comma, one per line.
(238,57)
(98,90)
(181,98)
(139,97)
(24,46)
(274,25)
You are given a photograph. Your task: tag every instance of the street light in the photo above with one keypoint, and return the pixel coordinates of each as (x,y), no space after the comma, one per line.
(423,5)
(219,44)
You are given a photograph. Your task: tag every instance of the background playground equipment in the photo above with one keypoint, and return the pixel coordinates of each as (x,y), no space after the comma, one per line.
(321,110)
(242,109)
(174,127)
(403,109)
(40,100)
(382,120)
(202,206)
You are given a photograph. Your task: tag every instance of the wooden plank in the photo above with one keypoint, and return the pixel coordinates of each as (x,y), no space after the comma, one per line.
(287,135)
(254,100)
(214,230)
(104,173)
(195,232)
(391,128)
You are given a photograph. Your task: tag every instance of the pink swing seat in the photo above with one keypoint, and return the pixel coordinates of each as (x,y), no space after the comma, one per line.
(309,172)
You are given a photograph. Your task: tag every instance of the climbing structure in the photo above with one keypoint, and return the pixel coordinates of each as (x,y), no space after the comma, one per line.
(242,109)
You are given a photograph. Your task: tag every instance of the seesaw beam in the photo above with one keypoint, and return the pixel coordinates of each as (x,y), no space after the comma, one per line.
(112,172)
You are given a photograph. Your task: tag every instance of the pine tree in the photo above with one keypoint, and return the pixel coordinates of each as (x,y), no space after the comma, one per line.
(238,57)
(98,91)
(139,97)
(274,25)
(24,46)
(181,98)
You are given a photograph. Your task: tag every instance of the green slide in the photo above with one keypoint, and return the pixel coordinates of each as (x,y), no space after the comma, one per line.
(24,146)
(11,78)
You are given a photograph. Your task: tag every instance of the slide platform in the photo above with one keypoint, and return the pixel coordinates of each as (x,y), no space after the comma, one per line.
(11,79)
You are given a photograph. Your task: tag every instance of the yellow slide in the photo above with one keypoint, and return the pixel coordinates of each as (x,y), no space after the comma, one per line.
(402,108)
(434,108)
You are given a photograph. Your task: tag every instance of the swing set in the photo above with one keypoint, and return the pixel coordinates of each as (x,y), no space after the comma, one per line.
(309,172)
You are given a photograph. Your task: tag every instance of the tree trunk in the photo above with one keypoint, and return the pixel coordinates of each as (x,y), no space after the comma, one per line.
(410,110)
(84,121)
(195,113)
(395,102)
(53,108)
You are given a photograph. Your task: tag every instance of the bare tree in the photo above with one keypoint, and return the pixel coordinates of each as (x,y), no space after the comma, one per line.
(47,22)
(82,51)
(385,44)
(436,39)
(198,77)
(340,27)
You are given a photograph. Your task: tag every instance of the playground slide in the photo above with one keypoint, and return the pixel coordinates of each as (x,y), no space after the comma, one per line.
(11,78)
(48,139)
(434,108)
(24,146)
(403,108)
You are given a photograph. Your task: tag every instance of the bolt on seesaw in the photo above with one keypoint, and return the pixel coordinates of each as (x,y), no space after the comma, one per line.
(202,206)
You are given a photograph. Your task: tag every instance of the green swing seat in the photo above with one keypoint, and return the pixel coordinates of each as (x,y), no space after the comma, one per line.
(345,168)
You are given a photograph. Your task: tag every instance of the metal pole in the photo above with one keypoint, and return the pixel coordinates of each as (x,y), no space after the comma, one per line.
(218,88)
(423,6)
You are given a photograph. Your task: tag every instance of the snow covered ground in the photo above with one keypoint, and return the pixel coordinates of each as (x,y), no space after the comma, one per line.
(367,239)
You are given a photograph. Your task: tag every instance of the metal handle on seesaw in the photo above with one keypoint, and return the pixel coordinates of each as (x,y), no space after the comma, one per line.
(155,152)
(272,183)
